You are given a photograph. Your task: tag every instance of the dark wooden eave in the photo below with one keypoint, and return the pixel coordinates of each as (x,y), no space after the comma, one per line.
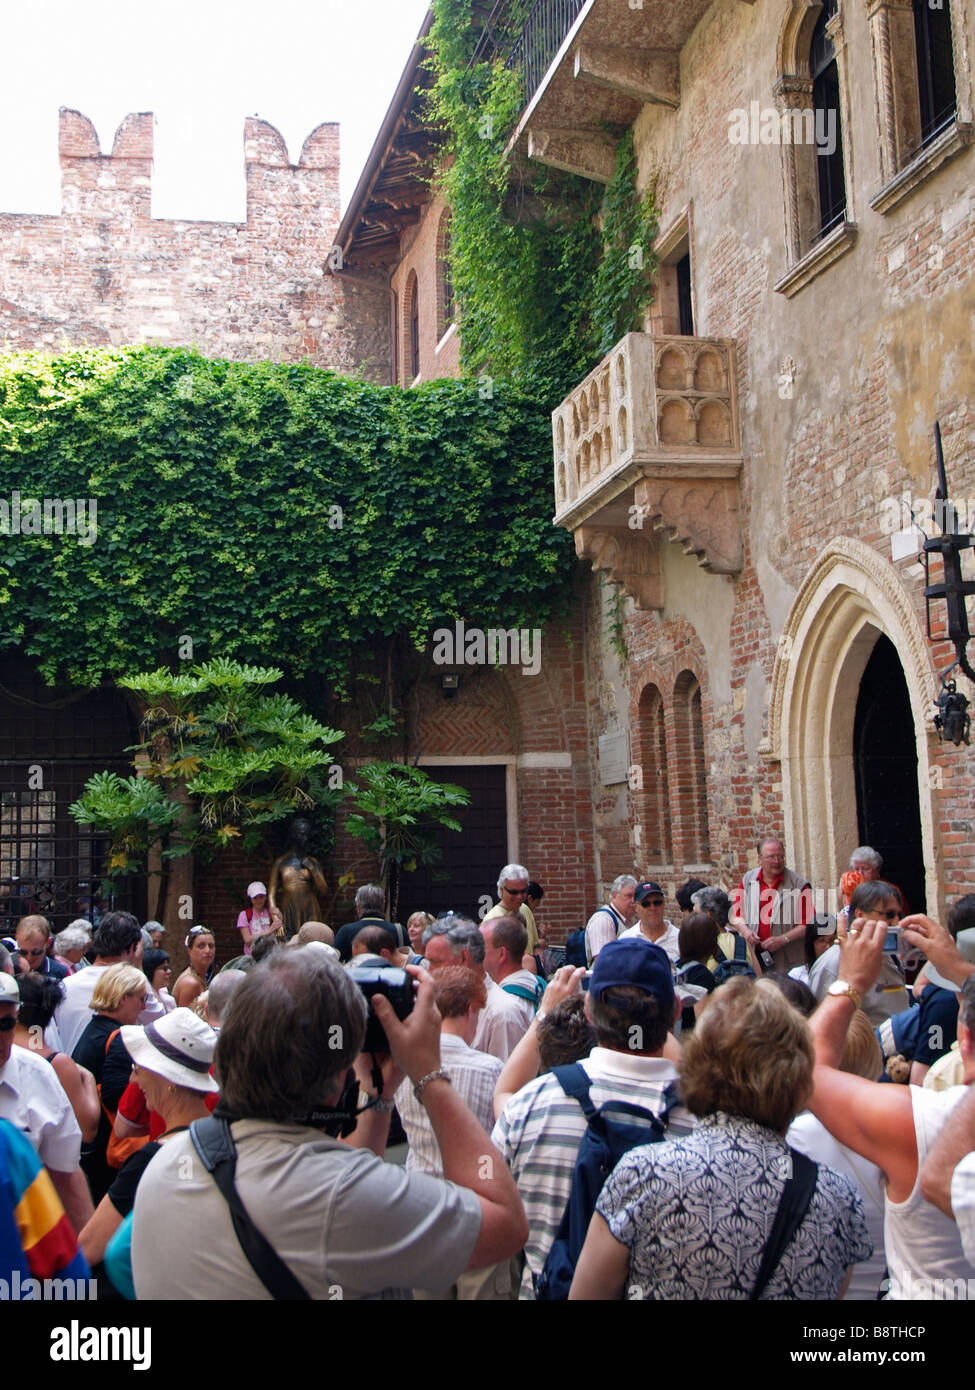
(394,186)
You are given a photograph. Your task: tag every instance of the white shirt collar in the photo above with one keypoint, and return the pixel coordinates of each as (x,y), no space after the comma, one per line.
(604,1062)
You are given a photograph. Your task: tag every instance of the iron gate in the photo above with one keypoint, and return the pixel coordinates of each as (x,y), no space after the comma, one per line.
(51,742)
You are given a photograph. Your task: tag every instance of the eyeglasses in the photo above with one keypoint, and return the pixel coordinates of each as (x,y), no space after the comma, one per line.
(516,892)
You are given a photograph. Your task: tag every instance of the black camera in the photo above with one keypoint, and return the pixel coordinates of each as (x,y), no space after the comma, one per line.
(395,985)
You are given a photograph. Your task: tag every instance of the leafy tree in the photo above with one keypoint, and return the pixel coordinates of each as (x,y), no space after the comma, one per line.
(220,760)
(398,810)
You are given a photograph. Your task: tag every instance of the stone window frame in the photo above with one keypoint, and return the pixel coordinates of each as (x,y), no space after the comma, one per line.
(662,318)
(809,253)
(902,165)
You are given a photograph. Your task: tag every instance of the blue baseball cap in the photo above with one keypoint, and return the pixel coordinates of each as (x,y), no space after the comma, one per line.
(632,960)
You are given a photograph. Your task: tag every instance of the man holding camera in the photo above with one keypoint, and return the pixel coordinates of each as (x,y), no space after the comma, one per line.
(345,1224)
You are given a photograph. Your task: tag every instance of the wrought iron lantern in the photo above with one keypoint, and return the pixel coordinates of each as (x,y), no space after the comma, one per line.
(952,720)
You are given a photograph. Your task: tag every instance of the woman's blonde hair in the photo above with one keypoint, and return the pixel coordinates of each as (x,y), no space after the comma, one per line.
(861,1054)
(117,982)
(751,1054)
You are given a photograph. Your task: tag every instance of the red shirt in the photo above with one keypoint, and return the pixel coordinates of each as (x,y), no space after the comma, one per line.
(767,896)
(132,1107)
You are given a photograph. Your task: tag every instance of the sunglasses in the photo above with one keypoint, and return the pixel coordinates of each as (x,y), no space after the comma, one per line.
(652,902)
(516,892)
(7,1025)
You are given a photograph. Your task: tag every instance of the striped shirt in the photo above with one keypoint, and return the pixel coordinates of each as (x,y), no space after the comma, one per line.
(541,1128)
(473,1076)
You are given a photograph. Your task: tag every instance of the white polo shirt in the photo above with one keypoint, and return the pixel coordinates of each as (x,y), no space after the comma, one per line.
(73,1014)
(669,942)
(501,1024)
(34,1101)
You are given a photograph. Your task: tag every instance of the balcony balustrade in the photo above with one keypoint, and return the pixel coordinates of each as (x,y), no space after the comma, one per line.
(648,443)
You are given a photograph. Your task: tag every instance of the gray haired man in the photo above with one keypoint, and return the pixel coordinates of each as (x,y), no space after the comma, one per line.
(513,883)
(501,1024)
(607,922)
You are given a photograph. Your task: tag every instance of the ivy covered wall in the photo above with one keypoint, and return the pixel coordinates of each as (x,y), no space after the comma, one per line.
(270,513)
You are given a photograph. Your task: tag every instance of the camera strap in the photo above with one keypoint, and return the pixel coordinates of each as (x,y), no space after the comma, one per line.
(215,1145)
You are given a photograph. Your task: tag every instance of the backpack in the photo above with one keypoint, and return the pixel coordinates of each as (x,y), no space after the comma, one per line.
(532,996)
(728,969)
(611,1131)
(575,948)
(117,1151)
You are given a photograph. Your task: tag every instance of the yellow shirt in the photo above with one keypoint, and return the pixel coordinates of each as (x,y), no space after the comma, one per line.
(946,1072)
(529,918)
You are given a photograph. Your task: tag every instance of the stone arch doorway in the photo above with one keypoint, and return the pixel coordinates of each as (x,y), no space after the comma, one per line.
(849,600)
(885,771)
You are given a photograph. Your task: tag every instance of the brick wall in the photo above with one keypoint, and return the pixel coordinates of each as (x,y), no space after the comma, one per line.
(105,271)
(420,257)
(839,387)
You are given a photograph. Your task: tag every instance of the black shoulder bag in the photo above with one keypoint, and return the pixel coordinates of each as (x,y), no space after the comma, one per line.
(792,1208)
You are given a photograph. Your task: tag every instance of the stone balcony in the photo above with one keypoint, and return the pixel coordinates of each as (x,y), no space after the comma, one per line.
(649,444)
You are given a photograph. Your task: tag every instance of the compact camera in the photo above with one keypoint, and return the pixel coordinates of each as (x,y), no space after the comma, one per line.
(397,987)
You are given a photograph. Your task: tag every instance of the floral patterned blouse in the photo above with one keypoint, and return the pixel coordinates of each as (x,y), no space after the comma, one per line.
(696,1212)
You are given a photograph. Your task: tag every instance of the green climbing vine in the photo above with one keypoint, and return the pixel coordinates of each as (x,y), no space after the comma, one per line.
(548,272)
(265,513)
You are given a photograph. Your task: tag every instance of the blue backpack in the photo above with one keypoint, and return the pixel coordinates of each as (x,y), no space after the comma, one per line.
(575,948)
(728,969)
(611,1131)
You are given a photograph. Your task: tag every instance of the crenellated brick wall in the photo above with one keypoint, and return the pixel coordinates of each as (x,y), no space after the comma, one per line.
(106,271)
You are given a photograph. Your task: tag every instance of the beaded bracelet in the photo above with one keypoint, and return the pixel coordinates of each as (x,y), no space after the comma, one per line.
(439,1075)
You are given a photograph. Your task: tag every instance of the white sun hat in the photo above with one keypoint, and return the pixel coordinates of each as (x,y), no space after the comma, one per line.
(179,1048)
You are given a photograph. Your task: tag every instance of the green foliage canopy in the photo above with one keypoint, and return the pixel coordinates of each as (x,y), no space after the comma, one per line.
(549,269)
(267,512)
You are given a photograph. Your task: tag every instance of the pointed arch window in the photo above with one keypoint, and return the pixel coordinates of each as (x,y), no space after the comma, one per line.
(691,789)
(445,283)
(414,333)
(654,812)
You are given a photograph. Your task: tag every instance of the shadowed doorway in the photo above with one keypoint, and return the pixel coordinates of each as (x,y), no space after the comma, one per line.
(470,860)
(885,767)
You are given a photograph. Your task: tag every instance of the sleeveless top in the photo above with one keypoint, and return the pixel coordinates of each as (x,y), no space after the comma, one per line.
(924,1253)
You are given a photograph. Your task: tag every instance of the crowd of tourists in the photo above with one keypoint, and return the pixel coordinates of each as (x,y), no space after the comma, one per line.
(728,1095)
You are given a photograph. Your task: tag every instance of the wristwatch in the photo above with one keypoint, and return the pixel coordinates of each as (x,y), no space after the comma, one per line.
(842,989)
